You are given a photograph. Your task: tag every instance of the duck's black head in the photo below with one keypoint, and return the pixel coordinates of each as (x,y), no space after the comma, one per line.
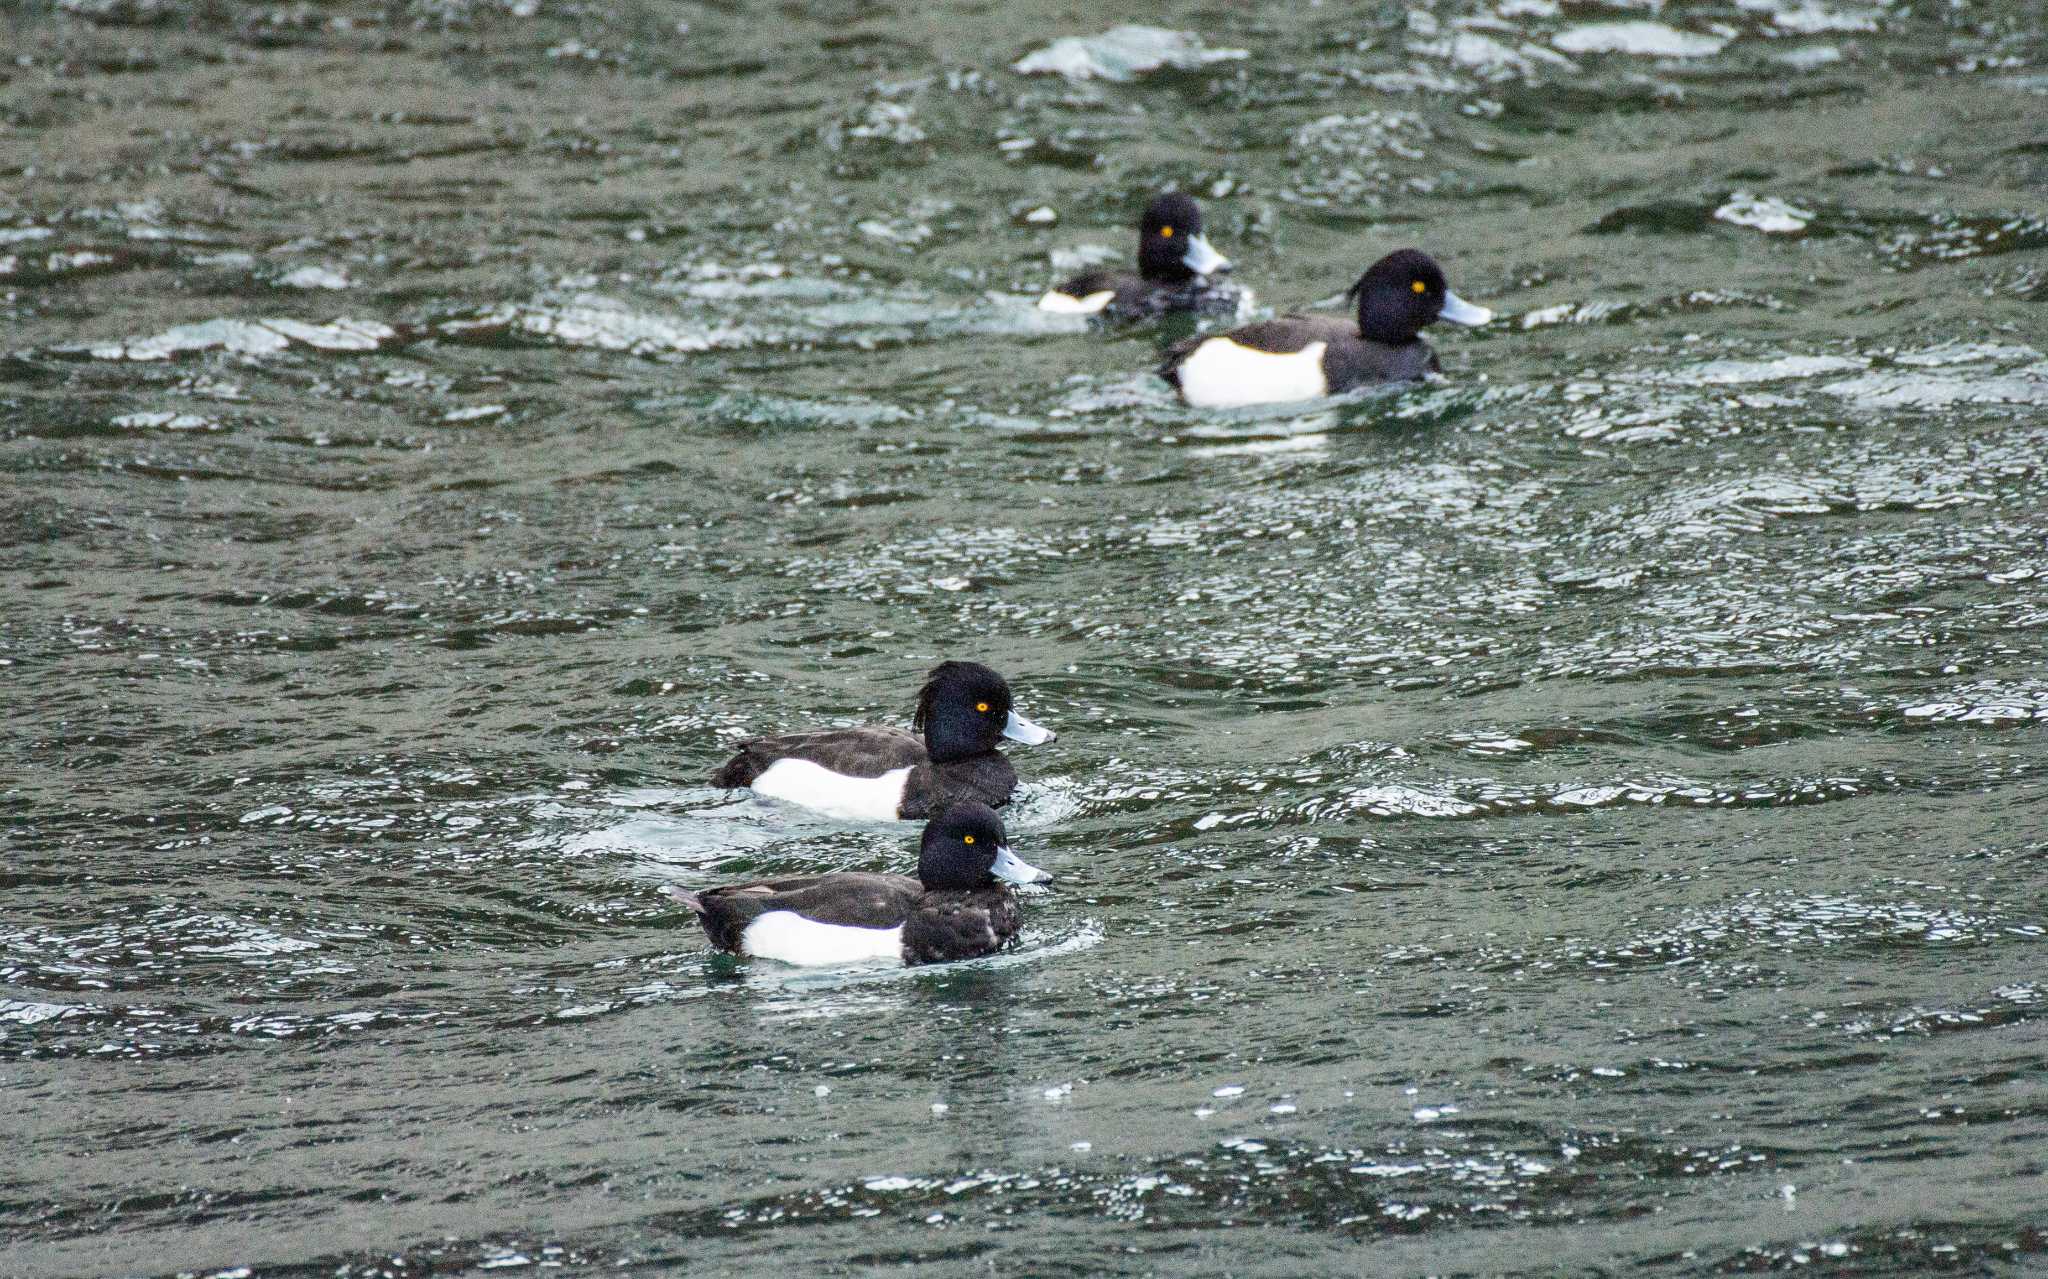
(965,708)
(964,848)
(1404,293)
(1171,246)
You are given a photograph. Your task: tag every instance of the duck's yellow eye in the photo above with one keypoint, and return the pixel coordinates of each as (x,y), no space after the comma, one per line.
(1419,287)
(967,839)
(982,707)
(1166,231)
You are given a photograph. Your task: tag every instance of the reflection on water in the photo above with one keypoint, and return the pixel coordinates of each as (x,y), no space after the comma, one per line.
(1577,817)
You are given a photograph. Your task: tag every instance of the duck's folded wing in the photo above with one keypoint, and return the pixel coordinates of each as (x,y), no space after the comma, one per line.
(1291,333)
(852,899)
(949,926)
(850,752)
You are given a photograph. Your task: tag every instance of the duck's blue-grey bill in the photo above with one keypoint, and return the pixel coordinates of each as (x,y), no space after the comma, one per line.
(1458,311)
(1009,867)
(1019,729)
(1202,257)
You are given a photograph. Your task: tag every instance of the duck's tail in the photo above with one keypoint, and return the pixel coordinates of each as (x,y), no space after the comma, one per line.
(1169,368)
(741,770)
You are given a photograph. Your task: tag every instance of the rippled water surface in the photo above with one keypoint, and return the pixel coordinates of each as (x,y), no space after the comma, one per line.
(1585,816)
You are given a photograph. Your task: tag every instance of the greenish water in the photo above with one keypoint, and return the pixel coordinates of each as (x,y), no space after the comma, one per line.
(1584,817)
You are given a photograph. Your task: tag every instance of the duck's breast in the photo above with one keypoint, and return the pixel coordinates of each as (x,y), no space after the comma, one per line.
(947,926)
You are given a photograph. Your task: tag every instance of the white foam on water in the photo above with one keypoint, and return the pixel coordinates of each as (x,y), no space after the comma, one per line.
(1122,53)
(1639,37)
(1768,214)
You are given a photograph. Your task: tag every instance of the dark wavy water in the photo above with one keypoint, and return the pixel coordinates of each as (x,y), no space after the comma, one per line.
(1585,817)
